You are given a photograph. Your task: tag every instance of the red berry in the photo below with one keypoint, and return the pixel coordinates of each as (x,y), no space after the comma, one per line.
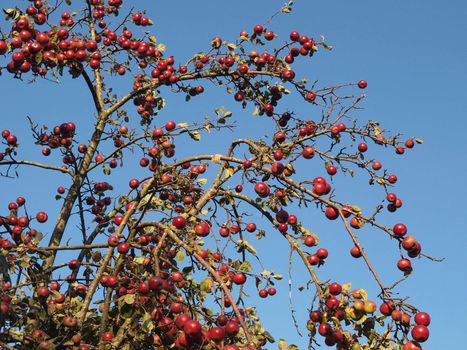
(362,147)
(362,84)
(400,230)
(420,333)
(179,222)
(41,217)
(422,318)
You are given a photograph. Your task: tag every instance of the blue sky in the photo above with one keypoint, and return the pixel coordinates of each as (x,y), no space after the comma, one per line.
(413,55)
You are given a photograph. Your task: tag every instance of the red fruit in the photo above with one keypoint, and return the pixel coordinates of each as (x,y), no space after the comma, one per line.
(74,264)
(288,74)
(272,291)
(331,213)
(294,36)
(262,189)
(282,216)
(309,241)
(409,243)
(376,165)
(107,336)
(239,278)
(123,248)
(3,47)
(11,140)
(112,241)
(324,329)
(234,347)
(217,334)
(251,227)
(292,220)
(202,230)
(332,303)
(422,318)
(41,217)
(331,170)
(269,35)
(313,259)
(232,328)
(362,147)
(322,253)
(263,293)
(409,143)
(335,288)
(43,292)
(170,125)
(362,84)
(181,320)
(192,328)
(404,265)
(420,333)
(308,152)
(400,230)
(386,308)
(392,179)
(315,316)
(258,29)
(411,345)
(310,96)
(179,222)
(134,183)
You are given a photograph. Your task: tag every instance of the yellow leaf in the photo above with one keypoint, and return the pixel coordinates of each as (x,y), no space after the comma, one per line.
(195,135)
(180,256)
(183,125)
(216,158)
(161,47)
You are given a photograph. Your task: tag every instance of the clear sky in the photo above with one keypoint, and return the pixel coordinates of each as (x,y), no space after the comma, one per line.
(414,57)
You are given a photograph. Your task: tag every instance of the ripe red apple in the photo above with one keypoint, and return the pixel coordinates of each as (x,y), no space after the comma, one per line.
(400,230)
(362,84)
(422,318)
(192,328)
(179,222)
(262,189)
(420,333)
(41,217)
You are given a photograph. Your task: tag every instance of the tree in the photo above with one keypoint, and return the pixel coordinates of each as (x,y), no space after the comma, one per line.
(166,262)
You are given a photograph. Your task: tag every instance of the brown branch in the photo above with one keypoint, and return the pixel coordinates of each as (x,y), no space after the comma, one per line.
(35,164)
(365,257)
